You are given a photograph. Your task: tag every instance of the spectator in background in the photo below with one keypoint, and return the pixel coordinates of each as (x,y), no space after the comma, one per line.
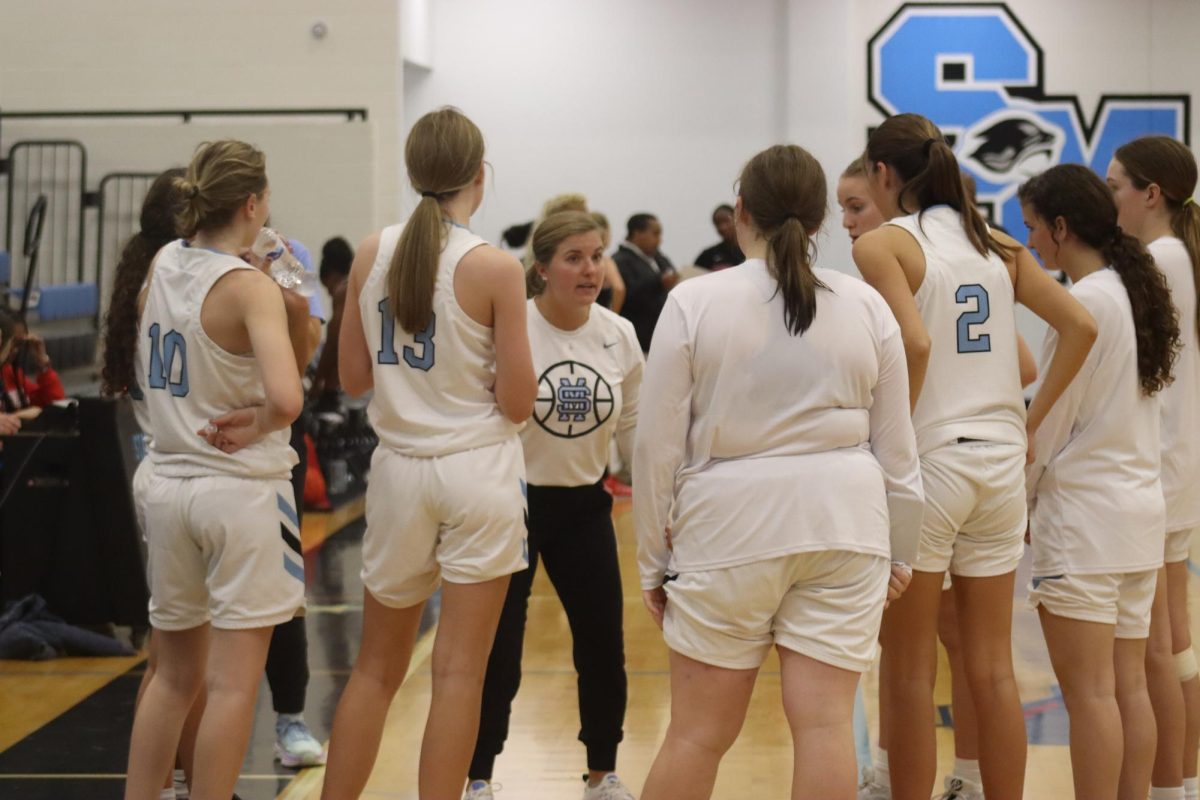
(612,296)
(726,252)
(287,658)
(647,273)
(29,378)
(336,257)
(9,423)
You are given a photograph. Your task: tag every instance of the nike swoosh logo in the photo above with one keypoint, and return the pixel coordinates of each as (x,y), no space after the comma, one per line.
(610,344)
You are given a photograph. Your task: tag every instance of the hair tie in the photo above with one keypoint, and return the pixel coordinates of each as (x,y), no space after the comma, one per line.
(1191,201)
(928,146)
(429,194)
(190,190)
(1117,235)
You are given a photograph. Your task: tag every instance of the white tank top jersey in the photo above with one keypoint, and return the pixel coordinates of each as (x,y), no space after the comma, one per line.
(972,386)
(433,390)
(1181,400)
(588,385)
(187,379)
(1096,502)
(753,443)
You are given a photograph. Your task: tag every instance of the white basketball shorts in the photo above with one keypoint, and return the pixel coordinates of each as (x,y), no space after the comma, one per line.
(460,517)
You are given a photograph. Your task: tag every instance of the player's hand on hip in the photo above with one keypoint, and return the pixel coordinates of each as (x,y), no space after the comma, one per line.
(656,603)
(233,430)
(897,582)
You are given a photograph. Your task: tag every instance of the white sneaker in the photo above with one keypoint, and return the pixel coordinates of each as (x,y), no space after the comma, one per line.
(479,790)
(609,788)
(295,746)
(960,789)
(870,790)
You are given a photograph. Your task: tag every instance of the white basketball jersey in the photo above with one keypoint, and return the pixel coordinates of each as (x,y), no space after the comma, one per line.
(1096,499)
(187,379)
(1181,400)
(433,389)
(972,386)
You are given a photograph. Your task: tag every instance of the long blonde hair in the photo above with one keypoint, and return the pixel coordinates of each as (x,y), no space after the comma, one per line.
(443,154)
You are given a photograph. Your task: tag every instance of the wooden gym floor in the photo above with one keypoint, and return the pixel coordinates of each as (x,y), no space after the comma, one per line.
(64,724)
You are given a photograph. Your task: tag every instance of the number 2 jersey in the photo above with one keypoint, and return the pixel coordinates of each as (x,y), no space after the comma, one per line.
(972,386)
(187,379)
(434,390)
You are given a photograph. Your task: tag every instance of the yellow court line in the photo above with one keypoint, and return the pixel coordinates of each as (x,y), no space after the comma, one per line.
(308,782)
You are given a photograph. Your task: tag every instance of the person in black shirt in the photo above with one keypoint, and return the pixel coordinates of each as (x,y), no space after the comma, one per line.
(726,252)
(648,275)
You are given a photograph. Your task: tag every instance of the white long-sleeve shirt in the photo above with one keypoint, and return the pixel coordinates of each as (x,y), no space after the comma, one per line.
(588,383)
(1096,503)
(753,443)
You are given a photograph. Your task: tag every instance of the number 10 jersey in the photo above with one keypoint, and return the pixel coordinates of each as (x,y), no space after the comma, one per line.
(434,389)
(972,386)
(187,379)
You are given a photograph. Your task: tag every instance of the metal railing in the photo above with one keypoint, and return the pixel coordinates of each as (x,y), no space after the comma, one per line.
(57,169)
(119,207)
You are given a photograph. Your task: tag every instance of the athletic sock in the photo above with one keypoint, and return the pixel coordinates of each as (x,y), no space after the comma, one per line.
(968,769)
(1172,793)
(167,794)
(882,776)
(181,787)
(1191,788)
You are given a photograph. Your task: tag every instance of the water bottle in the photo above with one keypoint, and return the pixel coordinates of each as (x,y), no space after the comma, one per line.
(283,266)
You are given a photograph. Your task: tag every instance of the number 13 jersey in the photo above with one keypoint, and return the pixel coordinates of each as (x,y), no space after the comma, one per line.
(972,386)
(434,390)
(187,379)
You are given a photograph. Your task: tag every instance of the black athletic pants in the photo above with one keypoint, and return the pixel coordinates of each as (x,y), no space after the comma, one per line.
(287,659)
(570,529)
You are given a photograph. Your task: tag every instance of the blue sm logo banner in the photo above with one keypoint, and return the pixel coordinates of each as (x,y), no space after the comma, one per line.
(977,73)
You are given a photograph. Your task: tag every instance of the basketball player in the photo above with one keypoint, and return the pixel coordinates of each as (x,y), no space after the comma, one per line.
(1097,512)
(213,339)
(160,208)
(1152,179)
(612,295)
(860,215)
(766,523)
(435,323)
(952,283)
(591,368)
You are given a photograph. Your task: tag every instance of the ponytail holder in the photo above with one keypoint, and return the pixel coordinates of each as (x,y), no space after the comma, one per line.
(429,194)
(1191,201)
(1117,235)
(928,146)
(191,191)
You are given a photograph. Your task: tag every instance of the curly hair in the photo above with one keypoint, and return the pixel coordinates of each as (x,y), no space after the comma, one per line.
(1083,201)
(164,202)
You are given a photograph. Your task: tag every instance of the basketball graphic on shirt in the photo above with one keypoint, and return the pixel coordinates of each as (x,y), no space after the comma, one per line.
(573,400)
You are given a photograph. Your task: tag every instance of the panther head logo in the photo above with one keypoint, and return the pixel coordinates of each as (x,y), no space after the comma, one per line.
(1011,146)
